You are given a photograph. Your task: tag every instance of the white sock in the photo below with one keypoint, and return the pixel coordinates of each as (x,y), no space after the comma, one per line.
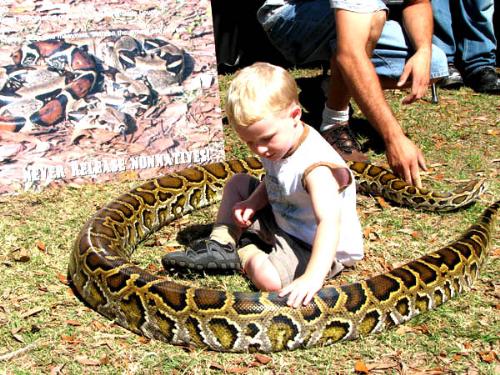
(331,117)
(224,234)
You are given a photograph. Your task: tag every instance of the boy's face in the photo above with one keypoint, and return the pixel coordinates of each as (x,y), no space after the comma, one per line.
(275,136)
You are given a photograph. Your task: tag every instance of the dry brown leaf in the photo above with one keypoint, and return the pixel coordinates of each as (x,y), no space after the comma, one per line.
(32,312)
(40,245)
(382,203)
(63,279)
(370,234)
(55,370)
(488,357)
(169,249)
(104,360)
(435,371)
(438,144)
(261,358)
(468,345)
(143,340)
(21,255)
(416,234)
(422,328)
(237,370)
(361,367)
(382,365)
(96,325)
(16,335)
(72,340)
(216,366)
(404,329)
(87,361)
(475,371)
(493,132)
(152,268)
(73,323)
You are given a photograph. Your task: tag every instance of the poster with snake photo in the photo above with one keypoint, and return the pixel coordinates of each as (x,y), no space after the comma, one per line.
(97,91)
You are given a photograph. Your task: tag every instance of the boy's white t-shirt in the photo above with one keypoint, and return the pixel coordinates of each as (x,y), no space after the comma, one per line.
(292,205)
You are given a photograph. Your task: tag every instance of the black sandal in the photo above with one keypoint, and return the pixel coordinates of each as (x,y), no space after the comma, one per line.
(204,254)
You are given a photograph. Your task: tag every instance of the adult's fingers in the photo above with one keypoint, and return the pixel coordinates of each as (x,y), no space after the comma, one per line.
(404,77)
(415,175)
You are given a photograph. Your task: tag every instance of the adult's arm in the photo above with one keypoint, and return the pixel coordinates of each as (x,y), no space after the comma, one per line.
(356,37)
(418,23)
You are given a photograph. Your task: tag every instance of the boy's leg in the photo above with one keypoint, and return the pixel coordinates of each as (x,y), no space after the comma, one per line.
(284,259)
(238,188)
(259,269)
(219,250)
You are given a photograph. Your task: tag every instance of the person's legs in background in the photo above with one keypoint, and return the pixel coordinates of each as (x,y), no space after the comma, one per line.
(465,33)
(444,38)
(477,45)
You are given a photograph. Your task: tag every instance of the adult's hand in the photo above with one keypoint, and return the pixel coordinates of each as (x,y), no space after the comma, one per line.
(405,159)
(418,23)
(417,69)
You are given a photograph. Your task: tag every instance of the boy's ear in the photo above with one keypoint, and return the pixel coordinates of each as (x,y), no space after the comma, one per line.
(296,112)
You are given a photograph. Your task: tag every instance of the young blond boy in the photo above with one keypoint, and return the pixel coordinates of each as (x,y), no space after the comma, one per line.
(303,212)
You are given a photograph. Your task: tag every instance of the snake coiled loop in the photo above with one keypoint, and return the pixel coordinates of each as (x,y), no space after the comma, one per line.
(103,275)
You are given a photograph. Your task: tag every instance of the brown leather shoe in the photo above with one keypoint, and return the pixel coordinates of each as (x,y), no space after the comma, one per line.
(343,141)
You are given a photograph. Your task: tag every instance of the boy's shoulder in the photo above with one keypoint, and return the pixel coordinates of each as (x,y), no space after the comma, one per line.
(316,147)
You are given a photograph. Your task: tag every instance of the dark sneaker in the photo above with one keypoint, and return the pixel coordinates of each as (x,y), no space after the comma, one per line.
(343,141)
(454,79)
(484,80)
(204,254)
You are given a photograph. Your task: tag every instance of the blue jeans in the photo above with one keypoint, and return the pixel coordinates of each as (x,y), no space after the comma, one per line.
(465,33)
(305,32)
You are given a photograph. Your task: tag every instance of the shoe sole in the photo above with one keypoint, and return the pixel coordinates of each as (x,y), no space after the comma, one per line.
(200,267)
(451,86)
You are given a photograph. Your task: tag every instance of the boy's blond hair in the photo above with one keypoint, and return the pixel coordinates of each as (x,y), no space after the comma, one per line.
(258,91)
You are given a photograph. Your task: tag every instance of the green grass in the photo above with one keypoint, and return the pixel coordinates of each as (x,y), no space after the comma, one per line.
(459,137)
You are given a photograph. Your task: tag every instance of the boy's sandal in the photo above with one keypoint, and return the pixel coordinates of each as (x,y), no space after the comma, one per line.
(204,254)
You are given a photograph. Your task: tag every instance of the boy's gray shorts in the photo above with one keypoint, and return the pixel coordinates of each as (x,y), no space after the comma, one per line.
(288,254)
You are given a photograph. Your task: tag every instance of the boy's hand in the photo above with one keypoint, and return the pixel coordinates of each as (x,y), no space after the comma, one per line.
(243,213)
(301,290)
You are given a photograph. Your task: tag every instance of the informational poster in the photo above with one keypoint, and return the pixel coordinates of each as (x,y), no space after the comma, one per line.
(92,91)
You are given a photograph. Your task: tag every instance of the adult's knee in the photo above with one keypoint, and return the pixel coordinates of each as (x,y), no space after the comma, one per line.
(376,27)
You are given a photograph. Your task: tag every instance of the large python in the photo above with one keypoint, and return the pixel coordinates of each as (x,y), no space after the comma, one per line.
(103,275)
(53,80)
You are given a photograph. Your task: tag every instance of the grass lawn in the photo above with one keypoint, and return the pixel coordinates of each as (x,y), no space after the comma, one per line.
(45,329)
